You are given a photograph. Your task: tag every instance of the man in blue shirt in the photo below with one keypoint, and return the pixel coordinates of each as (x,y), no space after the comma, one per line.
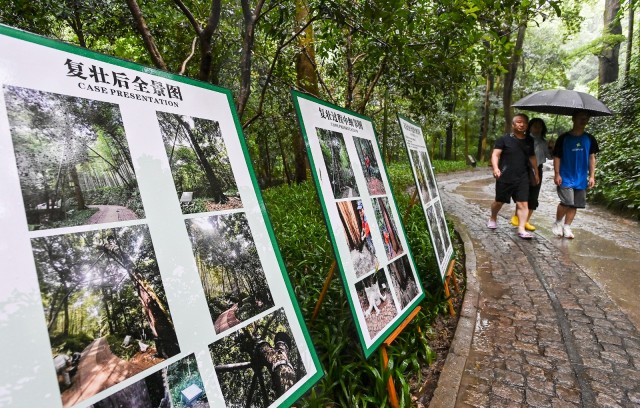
(574,165)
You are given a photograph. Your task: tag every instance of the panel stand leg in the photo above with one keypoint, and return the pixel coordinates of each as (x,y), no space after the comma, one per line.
(325,288)
(447,293)
(391,389)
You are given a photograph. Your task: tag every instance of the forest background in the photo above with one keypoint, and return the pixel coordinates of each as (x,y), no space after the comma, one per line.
(453,66)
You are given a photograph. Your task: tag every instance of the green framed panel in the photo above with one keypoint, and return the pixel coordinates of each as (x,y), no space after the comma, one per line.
(368,238)
(134,241)
(427,186)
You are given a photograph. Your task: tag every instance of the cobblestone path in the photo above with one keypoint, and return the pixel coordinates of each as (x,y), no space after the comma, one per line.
(544,334)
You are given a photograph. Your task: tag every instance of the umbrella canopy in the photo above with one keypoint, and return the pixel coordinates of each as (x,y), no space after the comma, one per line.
(562,102)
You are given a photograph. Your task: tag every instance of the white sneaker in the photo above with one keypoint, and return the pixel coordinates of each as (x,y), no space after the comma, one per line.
(566,231)
(557,229)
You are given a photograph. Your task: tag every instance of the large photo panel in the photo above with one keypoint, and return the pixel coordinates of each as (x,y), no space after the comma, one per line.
(133,236)
(362,217)
(428,192)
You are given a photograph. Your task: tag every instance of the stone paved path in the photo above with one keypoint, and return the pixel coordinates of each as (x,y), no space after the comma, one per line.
(542,332)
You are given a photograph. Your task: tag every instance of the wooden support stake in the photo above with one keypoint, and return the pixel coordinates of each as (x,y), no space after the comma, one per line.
(412,202)
(393,397)
(325,288)
(449,274)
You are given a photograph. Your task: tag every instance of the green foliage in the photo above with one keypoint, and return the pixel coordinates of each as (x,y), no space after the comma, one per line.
(74,343)
(75,217)
(448,166)
(125,353)
(618,164)
(350,379)
(180,375)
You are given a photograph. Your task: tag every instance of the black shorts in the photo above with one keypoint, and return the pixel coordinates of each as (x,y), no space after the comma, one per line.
(518,190)
(534,192)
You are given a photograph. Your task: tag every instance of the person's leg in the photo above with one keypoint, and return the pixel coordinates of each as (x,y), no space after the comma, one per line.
(561,211)
(570,215)
(495,209)
(522,210)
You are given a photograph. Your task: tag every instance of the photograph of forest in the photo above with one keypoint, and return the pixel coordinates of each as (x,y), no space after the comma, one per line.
(259,363)
(446,240)
(403,281)
(376,302)
(73,160)
(369,166)
(336,160)
(430,177)
(105,307)
(232,277)
(178,385)
(358,235)
(435,234)
(387,227)
(199,163)
(421,176)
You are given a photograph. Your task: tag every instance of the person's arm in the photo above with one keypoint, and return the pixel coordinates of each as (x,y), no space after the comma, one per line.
(557,179)
(534,165)
(592,170)
(495,159)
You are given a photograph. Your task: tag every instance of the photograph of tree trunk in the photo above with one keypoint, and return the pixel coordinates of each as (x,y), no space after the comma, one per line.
(105,307)
(199,163)
(369,165)
(403,281)
(259,363)
(178,385)
(376,302)
(435,234)
(430,177)
(387,227)
(358,235)
(73,160)
(421,176)
(232,277)
(336,160)
(443,226)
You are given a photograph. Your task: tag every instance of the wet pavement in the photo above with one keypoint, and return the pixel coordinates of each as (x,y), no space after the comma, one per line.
(549,322)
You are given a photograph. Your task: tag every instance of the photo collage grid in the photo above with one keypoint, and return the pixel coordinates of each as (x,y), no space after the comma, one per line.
(101,286)
(432,206)
(386,282)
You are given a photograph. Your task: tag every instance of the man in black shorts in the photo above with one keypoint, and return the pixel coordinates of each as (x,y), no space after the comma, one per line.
(509,161)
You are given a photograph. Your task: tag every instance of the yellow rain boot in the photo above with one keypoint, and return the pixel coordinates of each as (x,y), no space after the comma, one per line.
(529,227)
(515,221)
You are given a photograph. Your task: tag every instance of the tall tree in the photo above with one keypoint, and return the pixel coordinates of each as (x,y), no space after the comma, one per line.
(609,65)
(510,76)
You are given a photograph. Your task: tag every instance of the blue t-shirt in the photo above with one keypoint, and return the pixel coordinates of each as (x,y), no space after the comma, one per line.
(574,152)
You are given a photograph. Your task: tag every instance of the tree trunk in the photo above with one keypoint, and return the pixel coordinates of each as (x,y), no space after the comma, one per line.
(349,222)
(385,128)
(348,96)
(147,37)
(306,80)
(510,76)
(484,125)
(215,186)
(276,360)
(608,59)
(627,63)
(157,315)
(80,204)
(250,19)
(451,108)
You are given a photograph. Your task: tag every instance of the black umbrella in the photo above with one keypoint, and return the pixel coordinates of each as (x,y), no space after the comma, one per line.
(562,102)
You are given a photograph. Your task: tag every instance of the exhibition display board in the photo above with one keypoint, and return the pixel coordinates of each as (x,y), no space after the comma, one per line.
(428,192)
(136,258)
(378,270)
